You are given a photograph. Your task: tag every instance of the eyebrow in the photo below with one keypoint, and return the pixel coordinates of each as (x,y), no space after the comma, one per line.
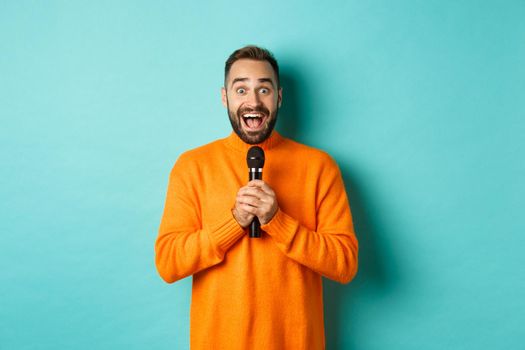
(261,80)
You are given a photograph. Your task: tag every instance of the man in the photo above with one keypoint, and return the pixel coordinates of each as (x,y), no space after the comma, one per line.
(256,293)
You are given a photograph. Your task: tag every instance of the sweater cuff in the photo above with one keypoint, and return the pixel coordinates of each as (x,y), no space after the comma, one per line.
(281,227)
(225,232)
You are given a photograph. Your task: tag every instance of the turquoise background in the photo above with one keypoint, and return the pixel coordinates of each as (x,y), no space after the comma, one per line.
(420,102)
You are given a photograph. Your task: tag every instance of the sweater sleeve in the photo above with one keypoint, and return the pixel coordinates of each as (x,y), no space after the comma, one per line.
(183,246)
(332,249)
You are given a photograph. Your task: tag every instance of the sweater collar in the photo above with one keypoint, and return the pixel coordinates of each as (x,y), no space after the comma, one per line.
(236,143)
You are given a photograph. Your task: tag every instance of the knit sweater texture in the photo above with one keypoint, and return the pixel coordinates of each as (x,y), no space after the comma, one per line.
(256,293)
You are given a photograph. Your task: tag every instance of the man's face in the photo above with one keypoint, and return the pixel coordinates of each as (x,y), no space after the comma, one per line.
(252,99)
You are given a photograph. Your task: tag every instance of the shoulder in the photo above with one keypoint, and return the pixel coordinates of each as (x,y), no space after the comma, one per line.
(199,154)
(314,155)
(189,163)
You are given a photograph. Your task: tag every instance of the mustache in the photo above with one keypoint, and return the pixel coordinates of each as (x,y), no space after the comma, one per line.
(260,109)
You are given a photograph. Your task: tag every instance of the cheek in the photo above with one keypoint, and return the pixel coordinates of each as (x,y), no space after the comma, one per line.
(269,101)
(234,102)
(274,103)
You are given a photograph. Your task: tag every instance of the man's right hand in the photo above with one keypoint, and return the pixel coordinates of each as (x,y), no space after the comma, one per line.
(242,210)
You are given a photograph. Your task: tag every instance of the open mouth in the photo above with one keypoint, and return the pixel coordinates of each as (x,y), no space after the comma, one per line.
(253,121)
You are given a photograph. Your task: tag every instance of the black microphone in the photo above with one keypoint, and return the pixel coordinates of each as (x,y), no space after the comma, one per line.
(255,160)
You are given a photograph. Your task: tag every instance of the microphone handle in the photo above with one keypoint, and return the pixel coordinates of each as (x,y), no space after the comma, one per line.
(255,225)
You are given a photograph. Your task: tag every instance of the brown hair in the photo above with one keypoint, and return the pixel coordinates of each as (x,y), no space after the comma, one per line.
(253,53)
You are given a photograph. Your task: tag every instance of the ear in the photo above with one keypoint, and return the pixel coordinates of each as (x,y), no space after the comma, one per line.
(223,97)
(280,97)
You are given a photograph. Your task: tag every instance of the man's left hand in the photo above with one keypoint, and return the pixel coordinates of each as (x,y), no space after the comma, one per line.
(261,199)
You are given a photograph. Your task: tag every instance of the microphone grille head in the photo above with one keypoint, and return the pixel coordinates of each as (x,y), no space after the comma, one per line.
(255,157)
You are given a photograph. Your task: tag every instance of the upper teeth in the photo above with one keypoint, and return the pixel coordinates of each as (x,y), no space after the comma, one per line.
(252,116)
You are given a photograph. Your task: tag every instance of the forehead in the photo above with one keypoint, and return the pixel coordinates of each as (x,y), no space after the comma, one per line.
(251,69)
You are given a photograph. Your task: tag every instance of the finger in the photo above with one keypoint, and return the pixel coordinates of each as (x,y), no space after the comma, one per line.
(248,200)
(261,185)
(267,190)
(250,191)
(241,212)
(247,210)
(260,197)
(264,203)
(255,183)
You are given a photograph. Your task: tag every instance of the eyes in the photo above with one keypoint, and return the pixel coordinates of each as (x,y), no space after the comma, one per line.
(242,91)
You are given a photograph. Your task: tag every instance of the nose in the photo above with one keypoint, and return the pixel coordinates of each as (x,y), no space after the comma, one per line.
(253,98)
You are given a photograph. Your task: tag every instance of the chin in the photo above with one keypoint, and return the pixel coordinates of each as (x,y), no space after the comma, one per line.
(253,140)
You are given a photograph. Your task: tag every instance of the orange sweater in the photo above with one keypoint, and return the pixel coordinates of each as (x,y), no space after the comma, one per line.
(256,293)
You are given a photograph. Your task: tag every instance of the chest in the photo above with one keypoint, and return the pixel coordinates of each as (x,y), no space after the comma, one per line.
(295,186)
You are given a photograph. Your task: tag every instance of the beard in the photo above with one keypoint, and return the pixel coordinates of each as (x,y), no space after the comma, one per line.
(252,137)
